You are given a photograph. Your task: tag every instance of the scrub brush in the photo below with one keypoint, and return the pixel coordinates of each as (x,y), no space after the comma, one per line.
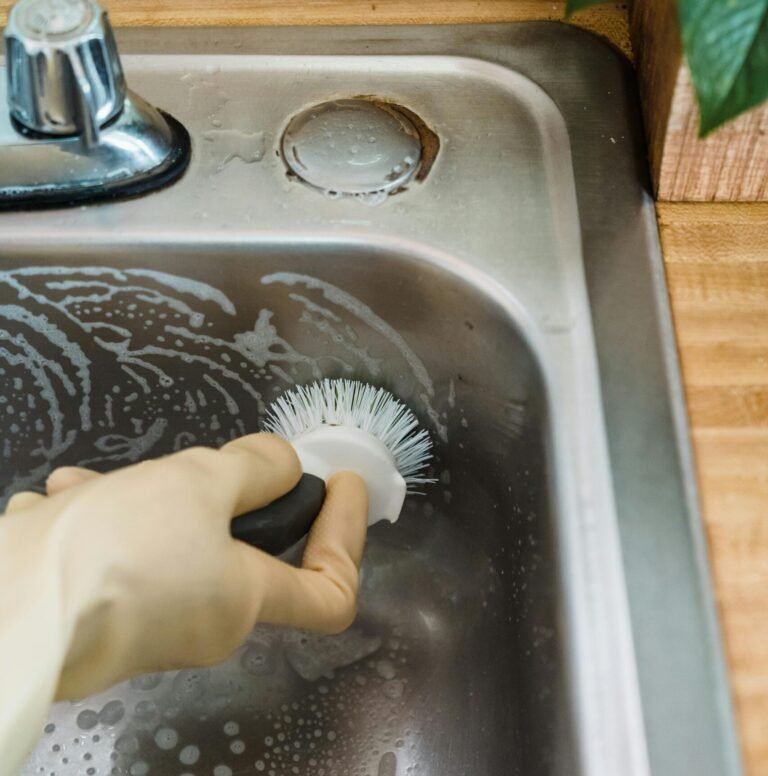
(340,425)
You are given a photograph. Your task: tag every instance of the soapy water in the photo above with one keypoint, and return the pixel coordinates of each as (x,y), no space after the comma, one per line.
(231,144)
(233,134)
(291,703)
(102,367)
(274,721)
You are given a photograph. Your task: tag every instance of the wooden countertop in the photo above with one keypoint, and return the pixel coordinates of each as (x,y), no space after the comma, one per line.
(717,268)
(610,20)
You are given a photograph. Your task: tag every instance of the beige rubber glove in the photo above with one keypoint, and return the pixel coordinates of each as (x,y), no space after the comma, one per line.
(135,571)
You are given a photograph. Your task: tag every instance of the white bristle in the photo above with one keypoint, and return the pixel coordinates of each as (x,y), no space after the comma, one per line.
(356,405)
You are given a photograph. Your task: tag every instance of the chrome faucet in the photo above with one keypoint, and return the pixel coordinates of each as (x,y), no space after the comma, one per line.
(73,132)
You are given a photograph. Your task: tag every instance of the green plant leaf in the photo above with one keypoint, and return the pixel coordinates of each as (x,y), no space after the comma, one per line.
(571,6)
(726,45)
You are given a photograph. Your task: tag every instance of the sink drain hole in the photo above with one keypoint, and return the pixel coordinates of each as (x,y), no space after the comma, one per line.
(361,147)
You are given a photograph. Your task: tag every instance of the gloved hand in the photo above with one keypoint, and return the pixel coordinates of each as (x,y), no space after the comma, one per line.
(114,575)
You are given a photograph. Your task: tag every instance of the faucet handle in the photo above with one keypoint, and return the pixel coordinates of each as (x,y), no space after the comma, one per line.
(64,71)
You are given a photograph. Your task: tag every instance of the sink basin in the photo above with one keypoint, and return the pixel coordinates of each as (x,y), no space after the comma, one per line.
(544,609)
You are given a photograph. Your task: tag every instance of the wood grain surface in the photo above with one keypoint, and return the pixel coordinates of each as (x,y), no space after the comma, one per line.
(729,165)
(609,20)
(271,12)
(717,265)
(717,270)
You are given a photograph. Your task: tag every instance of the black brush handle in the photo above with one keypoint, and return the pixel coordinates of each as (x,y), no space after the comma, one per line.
(282,523)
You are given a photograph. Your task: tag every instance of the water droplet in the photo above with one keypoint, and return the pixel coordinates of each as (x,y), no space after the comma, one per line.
(87,719)
(189,755)
(139,768)
(145,711)
(258,659)
(231,728)
(222,770)
(147,681)
(166,738)
(49,728)
(127,744)
(385,669)
(237,746)
(112,713)
(189,685)
(393,689)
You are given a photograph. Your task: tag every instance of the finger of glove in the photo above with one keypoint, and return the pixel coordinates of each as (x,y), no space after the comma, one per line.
(245,474)
(341,527)
(24,500)
(322,594)
(66,477)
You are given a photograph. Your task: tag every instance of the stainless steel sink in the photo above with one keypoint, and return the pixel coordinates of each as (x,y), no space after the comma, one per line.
(545,609)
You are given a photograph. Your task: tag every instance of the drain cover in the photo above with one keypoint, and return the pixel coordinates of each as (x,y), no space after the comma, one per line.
(352,147)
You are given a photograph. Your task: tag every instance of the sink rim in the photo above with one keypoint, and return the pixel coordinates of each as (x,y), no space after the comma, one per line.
(654,368)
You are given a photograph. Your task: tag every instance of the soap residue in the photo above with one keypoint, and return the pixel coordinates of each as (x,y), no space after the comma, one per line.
(368,317)
(297,714)
(108,366)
